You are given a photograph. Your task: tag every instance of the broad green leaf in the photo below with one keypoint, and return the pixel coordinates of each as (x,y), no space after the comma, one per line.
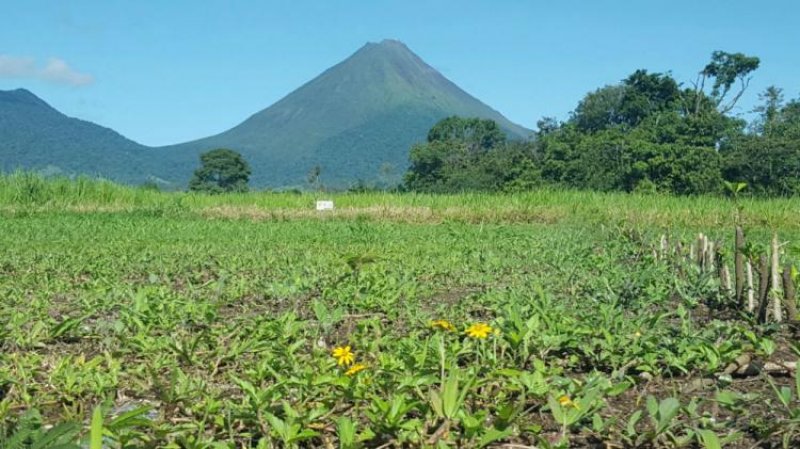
(56,435)
(667,410)
(709,439)
(493,435)
(346,431)
(96,430)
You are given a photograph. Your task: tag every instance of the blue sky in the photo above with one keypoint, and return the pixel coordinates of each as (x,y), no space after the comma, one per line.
(163,72)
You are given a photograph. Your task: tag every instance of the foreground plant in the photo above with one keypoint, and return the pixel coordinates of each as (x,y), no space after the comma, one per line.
(343,355)
(479,331)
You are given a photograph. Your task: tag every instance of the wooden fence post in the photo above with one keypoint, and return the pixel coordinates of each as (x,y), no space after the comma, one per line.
(678,258)
(751,293)
(763,288)
(704,251)
(701,247)
(789,294)
(738,268)
(711,256)
(725,280)
(775,291)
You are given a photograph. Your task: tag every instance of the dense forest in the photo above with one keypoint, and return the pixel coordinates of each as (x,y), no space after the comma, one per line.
(649,133)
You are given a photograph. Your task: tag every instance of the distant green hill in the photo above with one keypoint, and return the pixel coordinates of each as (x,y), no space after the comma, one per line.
(357,120)
(34,136)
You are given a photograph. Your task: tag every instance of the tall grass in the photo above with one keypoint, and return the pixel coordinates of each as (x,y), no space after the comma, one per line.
(32,192)
(25,188)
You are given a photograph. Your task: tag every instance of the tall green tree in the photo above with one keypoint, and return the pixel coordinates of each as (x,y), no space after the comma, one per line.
(769,110)
(769,165)
(464,154)
(726,69)
(639,96)
(476,134)
(221,170)
(597,110)
(649,133)
(314,177)
(768,159)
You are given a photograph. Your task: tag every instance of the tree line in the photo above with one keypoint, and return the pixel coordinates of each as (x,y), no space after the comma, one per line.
(648,133)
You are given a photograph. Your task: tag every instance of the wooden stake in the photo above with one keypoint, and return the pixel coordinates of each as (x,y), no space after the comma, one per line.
(738,266)
(789,298)
(679,258)
(777,309)
(763,288)
(701,247)
(751,293)
(711,254)
(744,365)
(725,280)
(774,369)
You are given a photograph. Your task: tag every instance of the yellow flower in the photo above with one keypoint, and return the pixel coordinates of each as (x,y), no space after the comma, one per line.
(343,355)
(479,330)
(355,369)
(565,401)
(637,334)
(443,325)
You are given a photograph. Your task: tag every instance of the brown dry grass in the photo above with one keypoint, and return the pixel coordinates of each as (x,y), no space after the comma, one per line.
(398,214)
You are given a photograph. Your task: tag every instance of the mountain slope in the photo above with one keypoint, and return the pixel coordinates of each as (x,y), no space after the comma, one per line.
(357,121)
(35,136)
(357,116)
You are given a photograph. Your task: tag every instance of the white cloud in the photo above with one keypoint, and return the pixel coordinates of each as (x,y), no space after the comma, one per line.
(58,71)
(12,67)
(55,71)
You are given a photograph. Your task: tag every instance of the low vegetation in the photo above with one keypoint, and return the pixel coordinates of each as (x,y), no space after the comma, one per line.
(545,319)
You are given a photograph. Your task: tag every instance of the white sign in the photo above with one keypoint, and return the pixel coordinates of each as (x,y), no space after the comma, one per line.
(325,205)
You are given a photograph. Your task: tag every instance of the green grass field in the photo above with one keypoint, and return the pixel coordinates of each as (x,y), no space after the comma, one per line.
(213,321)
